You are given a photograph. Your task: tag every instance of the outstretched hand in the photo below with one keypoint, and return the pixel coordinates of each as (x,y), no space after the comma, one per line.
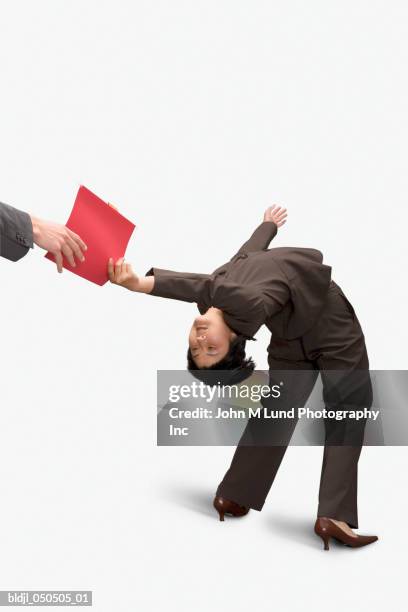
(58,240)
(277,214)
(121,273)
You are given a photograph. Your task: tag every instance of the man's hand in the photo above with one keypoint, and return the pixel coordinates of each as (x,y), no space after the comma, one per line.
(58,240)
(277,214)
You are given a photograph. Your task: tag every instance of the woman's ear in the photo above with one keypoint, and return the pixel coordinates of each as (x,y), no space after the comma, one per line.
(233,335)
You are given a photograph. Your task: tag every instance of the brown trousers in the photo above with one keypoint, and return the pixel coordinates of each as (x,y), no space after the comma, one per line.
(335,348)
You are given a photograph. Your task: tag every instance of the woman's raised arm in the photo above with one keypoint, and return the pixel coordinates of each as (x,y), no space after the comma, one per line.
(274,217)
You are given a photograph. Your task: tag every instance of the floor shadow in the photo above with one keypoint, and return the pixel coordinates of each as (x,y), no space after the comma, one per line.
(296,529)
(195,499)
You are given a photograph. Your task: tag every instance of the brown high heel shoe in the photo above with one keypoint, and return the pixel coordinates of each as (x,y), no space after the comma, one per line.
(326,529)
(226,506)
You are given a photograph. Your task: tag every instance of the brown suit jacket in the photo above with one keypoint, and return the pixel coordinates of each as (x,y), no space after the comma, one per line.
(284,288)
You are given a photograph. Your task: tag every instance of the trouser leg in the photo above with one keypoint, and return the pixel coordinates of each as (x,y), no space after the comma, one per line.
(251,474)
(264,442)
(344,440)
(338,484)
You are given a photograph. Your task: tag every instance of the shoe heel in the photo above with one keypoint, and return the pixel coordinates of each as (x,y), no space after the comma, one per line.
(326,542)
(221,513)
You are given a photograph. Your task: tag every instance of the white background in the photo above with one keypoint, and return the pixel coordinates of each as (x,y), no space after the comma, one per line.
(191,117)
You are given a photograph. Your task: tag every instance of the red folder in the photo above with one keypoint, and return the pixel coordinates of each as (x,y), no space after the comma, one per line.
(103,229)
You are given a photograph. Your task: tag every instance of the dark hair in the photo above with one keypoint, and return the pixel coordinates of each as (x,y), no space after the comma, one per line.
(232,369)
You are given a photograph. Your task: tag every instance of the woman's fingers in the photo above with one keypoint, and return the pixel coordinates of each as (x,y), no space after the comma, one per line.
(118,267)
(275,211)
(116,271)
(280,214)
(119,270)
(277,214)
(111,270)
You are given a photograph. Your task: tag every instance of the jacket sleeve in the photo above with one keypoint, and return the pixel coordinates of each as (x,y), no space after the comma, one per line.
(260,239)
(16,233)
(243,310)
(184,286)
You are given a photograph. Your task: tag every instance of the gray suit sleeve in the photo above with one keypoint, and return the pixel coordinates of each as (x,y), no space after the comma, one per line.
(16,233)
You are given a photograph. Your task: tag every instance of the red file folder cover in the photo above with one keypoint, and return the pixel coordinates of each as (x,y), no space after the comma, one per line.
(103,229)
